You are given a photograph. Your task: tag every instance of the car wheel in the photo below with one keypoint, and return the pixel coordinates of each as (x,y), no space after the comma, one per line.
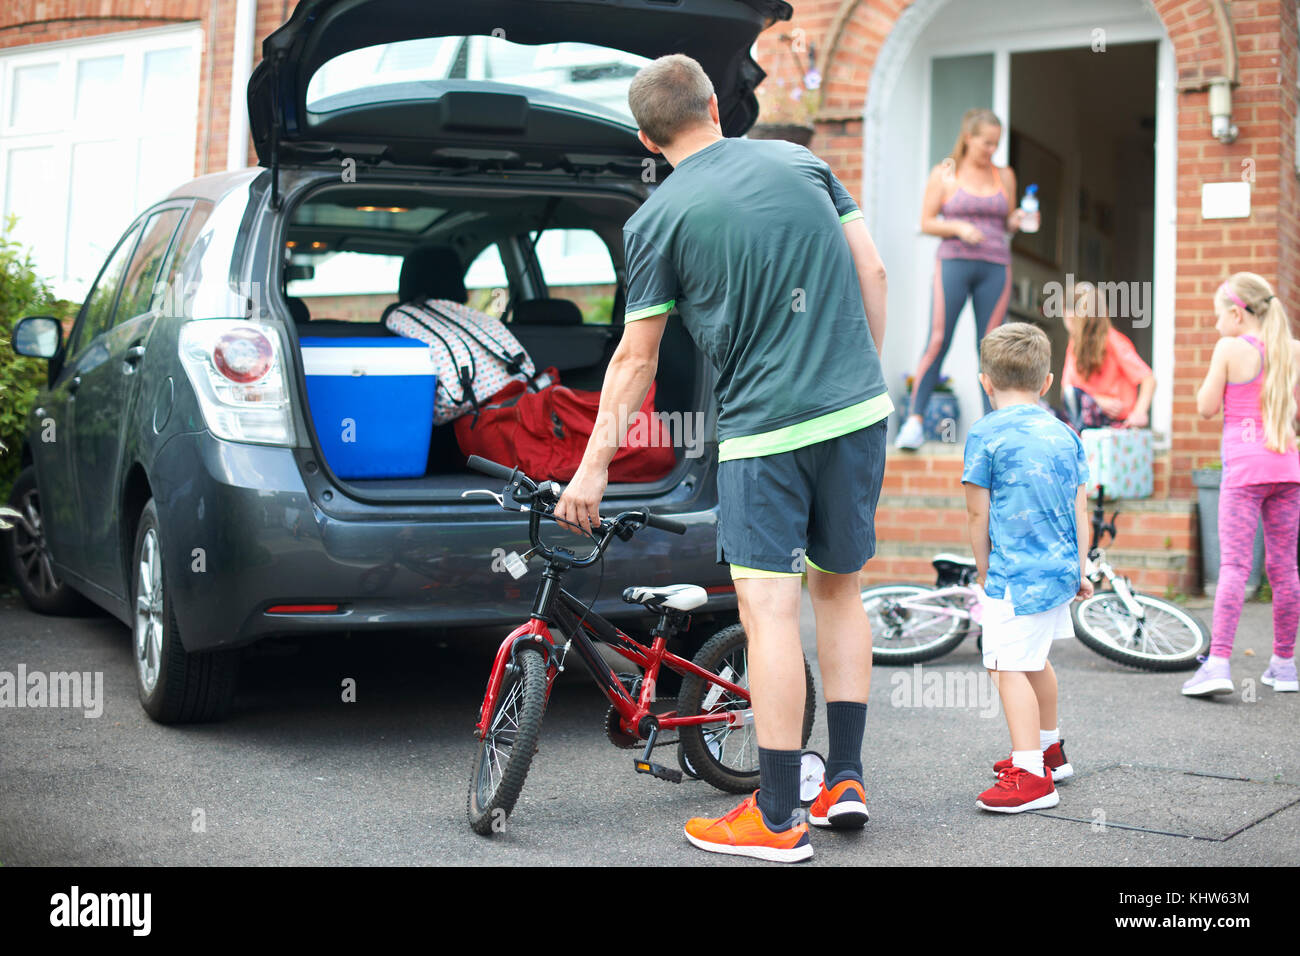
(31,566)
(176,686)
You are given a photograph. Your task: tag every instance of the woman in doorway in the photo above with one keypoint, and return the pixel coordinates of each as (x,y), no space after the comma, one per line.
(1104,381)
(970,203)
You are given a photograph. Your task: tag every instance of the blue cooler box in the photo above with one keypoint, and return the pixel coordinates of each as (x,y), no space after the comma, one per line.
(372,403)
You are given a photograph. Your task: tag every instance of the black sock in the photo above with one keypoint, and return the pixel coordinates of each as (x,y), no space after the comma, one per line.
(846,720)
(778,793)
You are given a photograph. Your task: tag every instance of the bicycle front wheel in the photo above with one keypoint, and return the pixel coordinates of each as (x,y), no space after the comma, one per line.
(506,750)
(907,633)
(726,754)
(1166,638)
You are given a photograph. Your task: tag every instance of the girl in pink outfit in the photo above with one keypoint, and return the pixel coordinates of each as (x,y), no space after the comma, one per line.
(1252,378)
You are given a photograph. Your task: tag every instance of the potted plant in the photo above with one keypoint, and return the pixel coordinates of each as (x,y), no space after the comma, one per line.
(1207,481)
(942,412)
(788,103)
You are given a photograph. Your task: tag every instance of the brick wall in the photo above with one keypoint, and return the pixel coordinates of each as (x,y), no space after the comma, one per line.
(922,512)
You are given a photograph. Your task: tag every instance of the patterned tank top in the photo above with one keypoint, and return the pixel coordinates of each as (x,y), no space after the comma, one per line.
(1247,460)
(988,214)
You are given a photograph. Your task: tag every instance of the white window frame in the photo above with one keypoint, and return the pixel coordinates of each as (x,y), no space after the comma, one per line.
(61,133)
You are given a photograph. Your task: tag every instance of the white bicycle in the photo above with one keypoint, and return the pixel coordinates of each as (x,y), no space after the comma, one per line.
(915,622)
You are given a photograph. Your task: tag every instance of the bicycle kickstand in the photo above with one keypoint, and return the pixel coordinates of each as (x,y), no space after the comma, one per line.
(646,765)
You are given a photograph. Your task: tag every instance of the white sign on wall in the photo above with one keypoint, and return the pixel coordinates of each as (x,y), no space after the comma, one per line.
(1225,200)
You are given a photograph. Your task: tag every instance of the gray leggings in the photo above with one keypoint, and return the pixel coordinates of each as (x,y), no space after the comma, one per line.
(988,286)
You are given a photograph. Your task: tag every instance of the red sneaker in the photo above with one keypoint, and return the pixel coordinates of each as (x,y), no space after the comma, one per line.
(1018,790)
(843,806)
(744,832)
(1053,758)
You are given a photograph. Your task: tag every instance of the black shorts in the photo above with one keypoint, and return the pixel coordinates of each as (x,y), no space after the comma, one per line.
(814,506)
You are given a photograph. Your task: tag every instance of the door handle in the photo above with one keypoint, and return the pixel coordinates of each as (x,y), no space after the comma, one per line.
(74,385)
(132,359)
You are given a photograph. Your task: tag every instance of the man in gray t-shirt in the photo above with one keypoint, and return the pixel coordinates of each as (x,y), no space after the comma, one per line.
(766,257)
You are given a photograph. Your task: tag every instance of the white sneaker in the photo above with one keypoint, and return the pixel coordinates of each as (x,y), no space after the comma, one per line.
(911,436)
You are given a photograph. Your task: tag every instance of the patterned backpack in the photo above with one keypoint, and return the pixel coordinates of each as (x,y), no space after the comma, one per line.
(474,355)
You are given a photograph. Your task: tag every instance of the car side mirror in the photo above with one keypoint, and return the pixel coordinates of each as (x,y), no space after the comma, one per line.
(38,336)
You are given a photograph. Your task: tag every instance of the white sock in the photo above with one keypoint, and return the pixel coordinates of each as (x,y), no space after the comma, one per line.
(1031,760)
(1048,737)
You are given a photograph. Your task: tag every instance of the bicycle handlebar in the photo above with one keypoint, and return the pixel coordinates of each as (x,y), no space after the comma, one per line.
(491,468)
(548,492)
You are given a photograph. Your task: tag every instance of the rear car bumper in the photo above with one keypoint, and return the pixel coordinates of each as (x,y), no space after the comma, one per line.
(241,534)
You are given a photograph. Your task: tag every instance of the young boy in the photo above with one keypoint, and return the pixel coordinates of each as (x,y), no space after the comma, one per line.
(1025,476)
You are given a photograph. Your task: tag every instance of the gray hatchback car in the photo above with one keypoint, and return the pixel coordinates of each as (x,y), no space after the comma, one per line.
(173,470)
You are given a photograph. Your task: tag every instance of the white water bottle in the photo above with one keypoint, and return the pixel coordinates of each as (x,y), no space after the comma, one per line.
(1029,206)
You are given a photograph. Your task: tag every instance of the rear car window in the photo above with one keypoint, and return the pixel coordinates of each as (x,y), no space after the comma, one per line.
(576,265)
(580,77)
(353,286)
(142,274)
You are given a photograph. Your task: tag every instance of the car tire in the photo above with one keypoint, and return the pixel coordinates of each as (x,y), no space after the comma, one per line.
(176,686)
(30,564)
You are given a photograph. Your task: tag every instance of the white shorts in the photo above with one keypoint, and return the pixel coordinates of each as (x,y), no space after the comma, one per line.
(1020,642)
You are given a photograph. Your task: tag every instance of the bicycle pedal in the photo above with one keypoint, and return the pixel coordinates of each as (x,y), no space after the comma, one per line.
(658,770)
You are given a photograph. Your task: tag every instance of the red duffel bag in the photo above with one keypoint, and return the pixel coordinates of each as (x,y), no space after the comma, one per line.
(545,433)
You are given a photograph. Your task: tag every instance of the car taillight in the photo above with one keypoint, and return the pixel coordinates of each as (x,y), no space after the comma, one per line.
(239,379)
(243,355)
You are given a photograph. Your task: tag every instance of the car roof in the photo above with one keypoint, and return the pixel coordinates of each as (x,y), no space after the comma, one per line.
(215,186)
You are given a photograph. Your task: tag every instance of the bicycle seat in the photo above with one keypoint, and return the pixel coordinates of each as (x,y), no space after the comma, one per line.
(952,567)
(678,597)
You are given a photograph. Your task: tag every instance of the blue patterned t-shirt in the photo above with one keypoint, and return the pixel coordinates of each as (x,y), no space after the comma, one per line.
(1033,465)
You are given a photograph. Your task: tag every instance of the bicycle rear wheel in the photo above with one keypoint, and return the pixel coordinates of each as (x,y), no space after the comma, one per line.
(506,750)
(1167,638)
(724,754)
(908,634)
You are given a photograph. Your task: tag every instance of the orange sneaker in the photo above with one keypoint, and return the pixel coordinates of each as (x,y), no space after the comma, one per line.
(843,806)
(743,832)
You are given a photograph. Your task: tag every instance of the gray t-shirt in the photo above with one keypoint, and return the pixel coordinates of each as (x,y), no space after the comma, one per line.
(745,239)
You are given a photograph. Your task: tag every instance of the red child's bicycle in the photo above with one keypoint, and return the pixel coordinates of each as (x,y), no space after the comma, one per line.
(714,720)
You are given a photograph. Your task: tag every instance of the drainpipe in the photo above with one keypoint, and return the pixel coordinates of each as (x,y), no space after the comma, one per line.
(241,66)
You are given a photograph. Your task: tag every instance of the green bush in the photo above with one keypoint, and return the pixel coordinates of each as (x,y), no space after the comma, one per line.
(22,293)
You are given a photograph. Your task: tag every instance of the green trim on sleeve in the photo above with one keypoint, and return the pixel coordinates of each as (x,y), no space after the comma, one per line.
(850,216)
(650,310)
(801,434)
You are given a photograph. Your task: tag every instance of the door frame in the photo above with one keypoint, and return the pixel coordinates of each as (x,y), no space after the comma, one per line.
(898,51)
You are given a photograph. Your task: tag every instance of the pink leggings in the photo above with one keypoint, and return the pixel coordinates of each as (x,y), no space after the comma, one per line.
(1239,512)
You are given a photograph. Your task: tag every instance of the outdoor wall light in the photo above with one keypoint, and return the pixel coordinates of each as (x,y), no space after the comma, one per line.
(1221,125)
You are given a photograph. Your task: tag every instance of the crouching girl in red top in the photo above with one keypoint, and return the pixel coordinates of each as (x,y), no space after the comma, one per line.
(1104,382)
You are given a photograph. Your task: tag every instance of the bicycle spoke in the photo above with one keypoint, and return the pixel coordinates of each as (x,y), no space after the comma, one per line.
(500,739)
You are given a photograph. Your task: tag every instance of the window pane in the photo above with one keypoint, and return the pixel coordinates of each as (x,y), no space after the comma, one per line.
(33,92)
(31,178)
(98,314)
(138,289)
(99,90)
(957,84)
(100,200)
(168,83)
(166,161)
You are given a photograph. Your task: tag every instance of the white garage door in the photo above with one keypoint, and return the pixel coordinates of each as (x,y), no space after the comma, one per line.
(91,132)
